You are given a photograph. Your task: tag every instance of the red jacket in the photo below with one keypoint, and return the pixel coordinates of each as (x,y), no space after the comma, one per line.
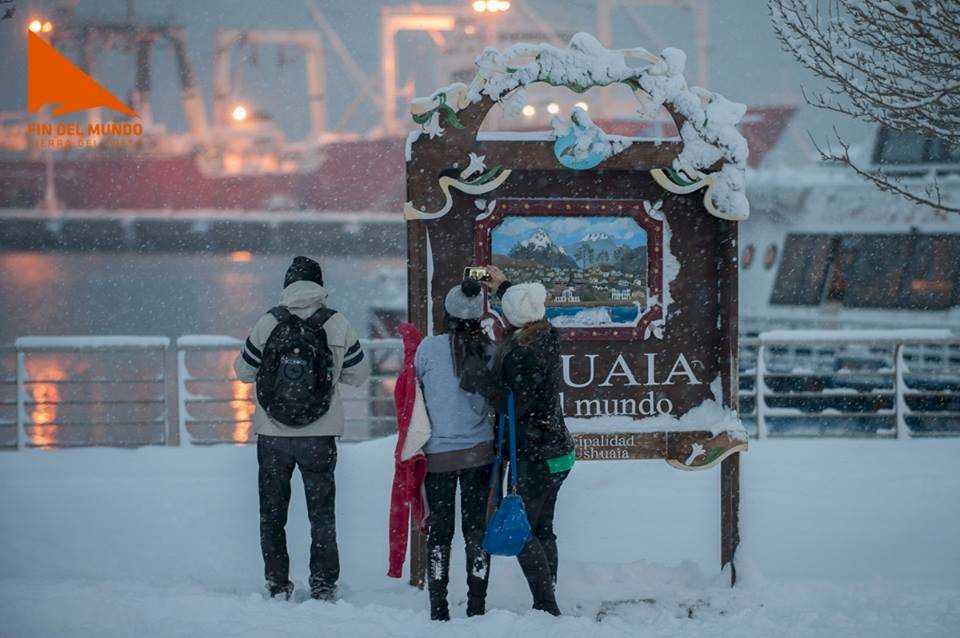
(406,499)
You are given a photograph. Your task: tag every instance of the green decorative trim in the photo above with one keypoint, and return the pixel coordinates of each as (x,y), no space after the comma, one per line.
(486,176)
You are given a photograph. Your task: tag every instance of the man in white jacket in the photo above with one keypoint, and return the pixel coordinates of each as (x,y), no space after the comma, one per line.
(312,448)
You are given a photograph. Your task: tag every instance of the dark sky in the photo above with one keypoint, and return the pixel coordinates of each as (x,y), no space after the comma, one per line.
(746,63)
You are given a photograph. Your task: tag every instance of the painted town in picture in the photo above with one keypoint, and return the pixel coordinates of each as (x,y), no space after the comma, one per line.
(594,268)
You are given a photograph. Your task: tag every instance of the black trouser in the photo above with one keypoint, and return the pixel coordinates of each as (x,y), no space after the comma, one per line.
(441,488)
(539,488)
(316,456)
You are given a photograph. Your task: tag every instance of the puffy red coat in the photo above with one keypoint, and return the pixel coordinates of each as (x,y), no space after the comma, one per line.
(407,498)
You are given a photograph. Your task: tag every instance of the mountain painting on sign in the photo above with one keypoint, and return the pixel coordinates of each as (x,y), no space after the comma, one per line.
(594,268)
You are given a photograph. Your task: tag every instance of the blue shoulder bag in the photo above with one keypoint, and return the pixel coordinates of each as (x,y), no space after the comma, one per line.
(508,529)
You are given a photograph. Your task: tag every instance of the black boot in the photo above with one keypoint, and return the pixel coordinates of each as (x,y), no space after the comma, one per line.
(544,596)
(476,606)
(280,590)
(536,569)
(323,593)
(438,573)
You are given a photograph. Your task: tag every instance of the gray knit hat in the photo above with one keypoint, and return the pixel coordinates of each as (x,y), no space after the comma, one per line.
(464,301)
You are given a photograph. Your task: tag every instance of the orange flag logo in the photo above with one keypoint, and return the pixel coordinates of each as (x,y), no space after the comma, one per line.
(53,79)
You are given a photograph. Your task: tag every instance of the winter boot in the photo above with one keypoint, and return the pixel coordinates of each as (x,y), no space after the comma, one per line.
(280,590)
(476,605)
(544,596)
(324,594)
(438,572)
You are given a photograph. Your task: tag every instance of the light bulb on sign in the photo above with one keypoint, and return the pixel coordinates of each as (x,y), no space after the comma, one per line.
(583,105)
(529,110)
(239,113)
(553,108)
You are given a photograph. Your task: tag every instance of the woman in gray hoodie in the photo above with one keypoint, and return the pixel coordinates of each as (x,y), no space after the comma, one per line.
(460,448)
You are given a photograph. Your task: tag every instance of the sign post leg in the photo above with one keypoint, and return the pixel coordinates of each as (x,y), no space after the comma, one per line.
(418,556)
(730,513)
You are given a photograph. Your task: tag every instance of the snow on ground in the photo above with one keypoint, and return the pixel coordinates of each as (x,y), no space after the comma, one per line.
(840,538)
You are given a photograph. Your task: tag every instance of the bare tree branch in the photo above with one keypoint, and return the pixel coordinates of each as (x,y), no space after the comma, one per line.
(883,182)
(895,63)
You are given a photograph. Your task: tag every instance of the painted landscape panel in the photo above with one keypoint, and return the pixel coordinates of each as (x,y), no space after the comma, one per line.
(594,268)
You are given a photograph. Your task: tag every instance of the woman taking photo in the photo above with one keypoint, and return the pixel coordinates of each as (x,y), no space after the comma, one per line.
(527,362)
(460,448)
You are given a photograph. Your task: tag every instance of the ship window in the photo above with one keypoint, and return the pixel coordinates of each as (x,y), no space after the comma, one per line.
(803,268)
(943,153)
(911,271)
(843,252)
(933,274)
(875,269)
(900,147)
(770,257)
(747,258)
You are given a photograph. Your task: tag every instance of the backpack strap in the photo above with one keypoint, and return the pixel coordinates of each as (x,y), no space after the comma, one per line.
(321,317)
(280,313)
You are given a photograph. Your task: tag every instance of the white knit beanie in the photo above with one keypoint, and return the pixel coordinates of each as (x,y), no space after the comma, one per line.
(524,303)
(464,300)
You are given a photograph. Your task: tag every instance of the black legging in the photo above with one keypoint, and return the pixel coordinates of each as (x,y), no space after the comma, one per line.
(441,488)
(539,558)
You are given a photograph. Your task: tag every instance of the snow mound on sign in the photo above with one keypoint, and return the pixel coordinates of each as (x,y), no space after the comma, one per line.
(709,133)
(709,416)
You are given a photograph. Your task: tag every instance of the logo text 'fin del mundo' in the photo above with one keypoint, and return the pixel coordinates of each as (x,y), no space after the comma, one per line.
(53,79)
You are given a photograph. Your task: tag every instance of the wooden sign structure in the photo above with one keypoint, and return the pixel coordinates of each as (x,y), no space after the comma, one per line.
(635,241)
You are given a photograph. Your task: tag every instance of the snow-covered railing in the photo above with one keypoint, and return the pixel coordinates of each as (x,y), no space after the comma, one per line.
(83,390)
(213,406)
(8,396)
(814,383)
(851,383)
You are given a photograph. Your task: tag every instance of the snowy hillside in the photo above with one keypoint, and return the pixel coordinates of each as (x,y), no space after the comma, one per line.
(840,538)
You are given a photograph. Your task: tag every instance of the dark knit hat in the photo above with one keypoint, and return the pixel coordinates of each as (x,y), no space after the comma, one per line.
(303,269)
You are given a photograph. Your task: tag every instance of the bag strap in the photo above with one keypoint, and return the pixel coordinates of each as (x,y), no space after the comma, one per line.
(496,480)
(505,415)
(280,313)
(512,417)
(321,317)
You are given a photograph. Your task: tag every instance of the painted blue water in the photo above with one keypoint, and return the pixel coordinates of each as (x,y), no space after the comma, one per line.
(619,314)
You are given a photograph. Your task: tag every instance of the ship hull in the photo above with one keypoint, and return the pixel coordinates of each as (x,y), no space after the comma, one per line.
(354,176)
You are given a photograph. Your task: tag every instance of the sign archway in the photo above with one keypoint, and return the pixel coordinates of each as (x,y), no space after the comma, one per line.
(635,240)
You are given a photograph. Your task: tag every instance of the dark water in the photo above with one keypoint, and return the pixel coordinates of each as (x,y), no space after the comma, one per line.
(46,293)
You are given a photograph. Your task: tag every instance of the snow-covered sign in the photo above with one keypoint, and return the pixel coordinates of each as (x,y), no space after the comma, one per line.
(634,240)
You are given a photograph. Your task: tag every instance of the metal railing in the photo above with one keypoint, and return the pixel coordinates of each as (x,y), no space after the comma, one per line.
(214,406)
(8,396)
(74,391)
(63,391)
(850,384)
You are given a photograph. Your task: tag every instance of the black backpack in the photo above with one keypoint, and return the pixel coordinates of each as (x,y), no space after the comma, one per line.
(295,380)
